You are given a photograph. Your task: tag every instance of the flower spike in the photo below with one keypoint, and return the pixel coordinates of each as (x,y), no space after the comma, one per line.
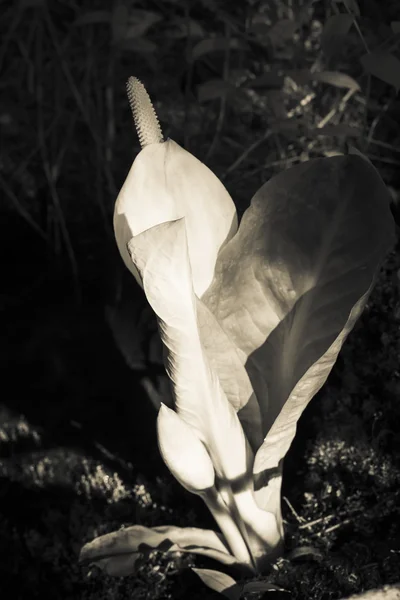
(146,121)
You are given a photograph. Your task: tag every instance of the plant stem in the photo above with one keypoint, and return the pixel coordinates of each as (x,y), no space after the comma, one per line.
(228,526)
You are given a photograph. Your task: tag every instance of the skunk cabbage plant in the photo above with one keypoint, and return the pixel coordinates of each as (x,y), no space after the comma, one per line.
(252,318)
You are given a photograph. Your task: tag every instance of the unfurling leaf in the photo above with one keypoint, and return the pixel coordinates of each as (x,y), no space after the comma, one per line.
(160,255)
(183,453)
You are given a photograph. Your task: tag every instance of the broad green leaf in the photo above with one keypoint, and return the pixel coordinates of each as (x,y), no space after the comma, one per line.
(384,65)
(309,246)
(219,582)
(161,256)
(117,552)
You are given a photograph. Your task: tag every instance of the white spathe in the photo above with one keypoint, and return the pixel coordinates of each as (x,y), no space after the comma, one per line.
(166,183)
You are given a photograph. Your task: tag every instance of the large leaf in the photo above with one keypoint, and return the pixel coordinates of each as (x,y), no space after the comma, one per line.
(117,552)
(293,280)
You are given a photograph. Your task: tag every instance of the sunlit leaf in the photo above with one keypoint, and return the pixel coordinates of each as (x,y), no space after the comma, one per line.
(309,245)
(303,76)
(384,65)
(117,552)
(181,449)
(219,582)
(225,359)
(306,553)
(161,257)
(335,78)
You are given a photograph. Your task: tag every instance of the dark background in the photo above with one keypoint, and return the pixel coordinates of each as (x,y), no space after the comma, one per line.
(78,451)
